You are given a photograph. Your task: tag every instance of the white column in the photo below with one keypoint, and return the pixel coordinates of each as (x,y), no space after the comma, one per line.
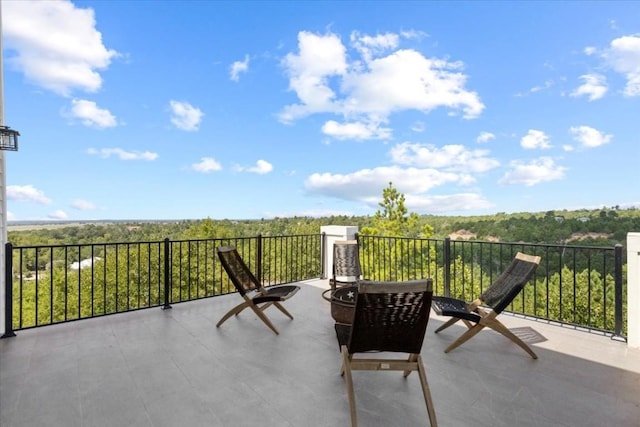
(633,290)
(334,233)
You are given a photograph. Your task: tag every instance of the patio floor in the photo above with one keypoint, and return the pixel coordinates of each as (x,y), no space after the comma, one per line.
(175,368)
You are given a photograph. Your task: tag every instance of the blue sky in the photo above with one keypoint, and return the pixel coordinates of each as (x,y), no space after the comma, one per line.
(189,110)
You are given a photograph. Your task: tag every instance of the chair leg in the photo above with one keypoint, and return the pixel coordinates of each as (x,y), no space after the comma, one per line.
(284,310)
(447,324)
(499,327)
(346,369)
(235,310)
(427,394)
(470,333)
(412,359)
(264,318)
(342,366)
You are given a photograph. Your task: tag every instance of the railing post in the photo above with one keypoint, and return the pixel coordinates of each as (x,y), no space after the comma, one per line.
(8,294)
(618,290)
(259,258)
(446,260)
(167,266)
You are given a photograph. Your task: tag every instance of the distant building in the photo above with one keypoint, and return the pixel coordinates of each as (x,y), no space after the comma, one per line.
(463,235)
(84,263)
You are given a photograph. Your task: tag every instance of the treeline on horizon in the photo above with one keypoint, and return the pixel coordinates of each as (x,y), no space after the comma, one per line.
(598,227)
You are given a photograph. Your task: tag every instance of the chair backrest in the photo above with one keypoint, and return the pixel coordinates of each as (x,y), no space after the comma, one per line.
(506,287)
(237,270)
(390,316)
(346,259)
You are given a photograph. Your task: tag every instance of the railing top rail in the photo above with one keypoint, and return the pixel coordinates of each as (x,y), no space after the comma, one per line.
(473,241)
(75,245)
(136,242)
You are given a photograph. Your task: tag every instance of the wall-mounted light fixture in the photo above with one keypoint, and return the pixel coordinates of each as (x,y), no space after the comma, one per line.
(8,138)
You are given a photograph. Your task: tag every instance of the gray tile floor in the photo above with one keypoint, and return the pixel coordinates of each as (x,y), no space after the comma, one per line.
(174,368)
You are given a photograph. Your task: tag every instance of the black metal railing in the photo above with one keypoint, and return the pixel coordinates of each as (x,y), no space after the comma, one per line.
(574,285)
(48,284)
(51,284)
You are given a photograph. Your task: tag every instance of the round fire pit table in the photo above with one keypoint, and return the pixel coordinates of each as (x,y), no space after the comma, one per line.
(343,302)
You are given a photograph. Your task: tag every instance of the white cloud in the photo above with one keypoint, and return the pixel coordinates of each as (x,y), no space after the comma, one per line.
(26,193)
(419,168)
(239,67)
(370,89)
(413,34)
(532,173)
(261,167)
(185,116)
(594,86)
(369,46)
(485,137)
(59,214)
(365,184)
(358,131)
(83,205)
(91,115)
(589,137)
(55,44)
(535,139)
(319,58)
(105,153)
(449,157)
(623,55)
(206,165)
(11,216)
(406,80)
(446,203)
(547,84)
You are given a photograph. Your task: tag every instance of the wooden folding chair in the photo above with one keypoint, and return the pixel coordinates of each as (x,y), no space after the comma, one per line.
(483,311)
(256,297)
(388,317)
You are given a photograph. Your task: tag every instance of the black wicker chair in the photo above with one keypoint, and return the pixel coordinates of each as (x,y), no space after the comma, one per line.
(256,297)
(388,317)
(346,263)
(483,311)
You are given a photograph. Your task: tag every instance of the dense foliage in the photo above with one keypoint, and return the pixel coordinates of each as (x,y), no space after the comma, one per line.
(597,227)
(583,227)
(574,284)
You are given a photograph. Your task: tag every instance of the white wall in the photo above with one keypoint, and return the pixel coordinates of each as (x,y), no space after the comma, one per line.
(335,233)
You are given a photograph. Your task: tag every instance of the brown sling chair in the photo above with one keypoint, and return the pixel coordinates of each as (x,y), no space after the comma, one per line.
(256,297)
(483,311)
(388,317)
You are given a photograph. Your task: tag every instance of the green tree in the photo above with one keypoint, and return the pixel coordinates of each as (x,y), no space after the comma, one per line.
(396,257)
(394,220)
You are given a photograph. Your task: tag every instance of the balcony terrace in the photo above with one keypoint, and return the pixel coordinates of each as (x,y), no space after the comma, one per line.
(173,367)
